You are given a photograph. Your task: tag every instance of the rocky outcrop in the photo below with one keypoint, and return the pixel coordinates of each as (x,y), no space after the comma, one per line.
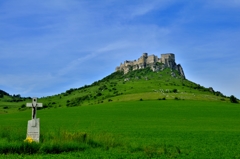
(152,61)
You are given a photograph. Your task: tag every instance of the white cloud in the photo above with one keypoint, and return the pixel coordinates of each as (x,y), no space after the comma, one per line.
(140,8)
(12,9)
(26,83)
(114,46)
(76,64)
(223,3)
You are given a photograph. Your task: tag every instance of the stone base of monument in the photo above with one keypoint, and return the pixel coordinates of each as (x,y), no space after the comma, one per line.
(33,130)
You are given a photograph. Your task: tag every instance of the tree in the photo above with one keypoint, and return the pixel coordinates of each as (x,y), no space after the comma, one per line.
(233,99)
(174,90)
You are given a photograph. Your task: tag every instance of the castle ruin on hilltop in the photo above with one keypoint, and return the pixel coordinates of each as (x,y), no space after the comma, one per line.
(156,64)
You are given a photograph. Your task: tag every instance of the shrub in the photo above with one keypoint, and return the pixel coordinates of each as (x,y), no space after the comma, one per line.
(23,106)
(44,106)
(218,94)
(174,90)
(98,94)
(70,91)
(233,99)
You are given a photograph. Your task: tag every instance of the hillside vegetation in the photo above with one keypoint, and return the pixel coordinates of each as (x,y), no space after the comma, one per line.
(142,114)
(137,85)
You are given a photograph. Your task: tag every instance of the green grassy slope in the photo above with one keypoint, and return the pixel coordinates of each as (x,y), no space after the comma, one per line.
(140,84)
(136,85)
(138,115)
(155,128)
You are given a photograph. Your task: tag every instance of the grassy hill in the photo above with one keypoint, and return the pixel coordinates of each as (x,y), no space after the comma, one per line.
(142,114)
(136,85)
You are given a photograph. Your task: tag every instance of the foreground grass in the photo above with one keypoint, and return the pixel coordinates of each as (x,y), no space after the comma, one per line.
(181,145)
(147,129)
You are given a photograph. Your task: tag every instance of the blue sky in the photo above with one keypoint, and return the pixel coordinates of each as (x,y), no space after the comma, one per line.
(50,46)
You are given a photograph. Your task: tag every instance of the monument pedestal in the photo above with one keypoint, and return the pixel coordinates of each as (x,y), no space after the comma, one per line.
(33,129)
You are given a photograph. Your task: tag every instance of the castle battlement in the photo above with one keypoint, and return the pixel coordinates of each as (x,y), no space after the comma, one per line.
(167,60)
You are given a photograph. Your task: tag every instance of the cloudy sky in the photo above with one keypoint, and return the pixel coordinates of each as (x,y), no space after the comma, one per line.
(50,46)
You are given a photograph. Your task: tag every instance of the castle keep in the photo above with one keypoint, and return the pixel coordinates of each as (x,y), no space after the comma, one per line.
(152,61)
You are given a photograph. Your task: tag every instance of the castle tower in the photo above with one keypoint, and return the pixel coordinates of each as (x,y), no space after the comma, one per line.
(168,59)
(145,56)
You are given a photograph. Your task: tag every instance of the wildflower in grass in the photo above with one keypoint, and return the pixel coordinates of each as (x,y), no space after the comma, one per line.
(28,139)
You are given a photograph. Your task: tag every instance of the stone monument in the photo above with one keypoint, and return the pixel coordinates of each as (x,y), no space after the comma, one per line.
(33,128)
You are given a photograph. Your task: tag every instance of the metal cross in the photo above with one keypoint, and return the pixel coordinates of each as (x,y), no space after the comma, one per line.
(34,106)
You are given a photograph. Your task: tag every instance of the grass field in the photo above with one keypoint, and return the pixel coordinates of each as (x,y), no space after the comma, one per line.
(142,114)
(134,129)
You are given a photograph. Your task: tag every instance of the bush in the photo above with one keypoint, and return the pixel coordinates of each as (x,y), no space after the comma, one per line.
(217,93)
(23,106)
(233,99)
(174,90)
(70,91)
(98,94)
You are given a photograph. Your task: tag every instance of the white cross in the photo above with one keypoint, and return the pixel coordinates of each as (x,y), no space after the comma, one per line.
(34,106)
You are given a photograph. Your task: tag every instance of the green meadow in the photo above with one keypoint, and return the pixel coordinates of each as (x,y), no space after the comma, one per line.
(137,129)
(142,114)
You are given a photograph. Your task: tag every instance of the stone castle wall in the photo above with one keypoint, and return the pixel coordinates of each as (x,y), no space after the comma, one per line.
(167,60)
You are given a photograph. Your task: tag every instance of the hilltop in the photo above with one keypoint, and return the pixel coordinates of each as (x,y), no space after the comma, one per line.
(153,62)
(144,112)
(148,78)
(161,79)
